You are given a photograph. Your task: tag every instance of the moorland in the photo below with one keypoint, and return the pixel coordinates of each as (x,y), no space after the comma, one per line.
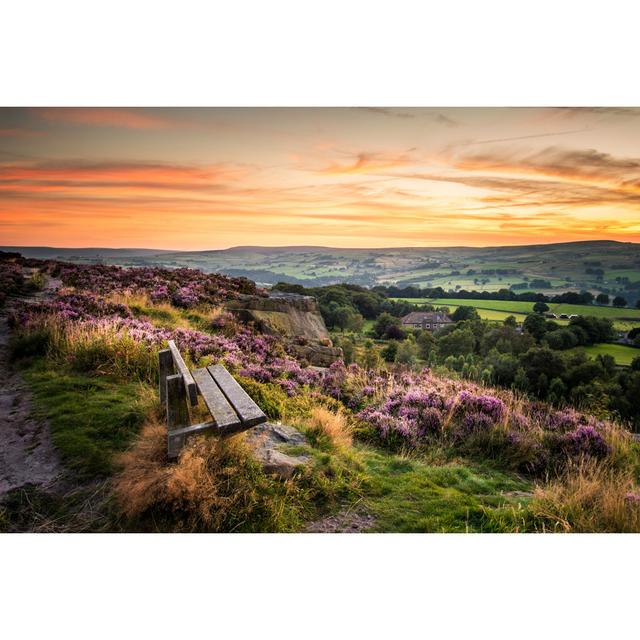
(522,423)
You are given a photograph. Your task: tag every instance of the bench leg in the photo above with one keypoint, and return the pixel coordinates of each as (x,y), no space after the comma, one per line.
(165,364)
(177,413)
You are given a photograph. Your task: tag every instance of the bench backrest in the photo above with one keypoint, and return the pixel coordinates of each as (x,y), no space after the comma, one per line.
(231,408)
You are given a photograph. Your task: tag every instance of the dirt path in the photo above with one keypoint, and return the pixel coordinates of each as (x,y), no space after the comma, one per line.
(27,455)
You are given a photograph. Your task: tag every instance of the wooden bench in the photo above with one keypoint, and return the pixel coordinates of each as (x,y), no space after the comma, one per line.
(231,408)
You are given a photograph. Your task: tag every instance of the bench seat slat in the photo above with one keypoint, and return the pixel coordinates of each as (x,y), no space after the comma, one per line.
(249,412)
(222,412)
(181,366)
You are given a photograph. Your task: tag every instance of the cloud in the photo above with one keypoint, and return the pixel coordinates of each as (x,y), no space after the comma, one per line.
(428,112)
(446,120)
(79,174)
(533,135)
(19,132)
(588,165)
(366,162)
(572,112)
(127,118)
(387,111)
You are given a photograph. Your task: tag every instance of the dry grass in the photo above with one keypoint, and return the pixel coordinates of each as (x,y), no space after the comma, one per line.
(214,486)
(590,497)
(332,428)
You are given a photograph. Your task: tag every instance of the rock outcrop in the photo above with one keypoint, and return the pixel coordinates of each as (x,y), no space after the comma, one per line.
(294,317)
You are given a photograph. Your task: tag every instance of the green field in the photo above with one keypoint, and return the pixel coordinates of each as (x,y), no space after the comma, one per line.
(623,319)
(622,354)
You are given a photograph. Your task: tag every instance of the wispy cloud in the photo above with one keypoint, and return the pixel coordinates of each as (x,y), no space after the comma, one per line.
(369,162)
(388,111)
(571,164)
(127,118)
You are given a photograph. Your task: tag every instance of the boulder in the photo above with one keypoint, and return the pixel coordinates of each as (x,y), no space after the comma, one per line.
(266,440)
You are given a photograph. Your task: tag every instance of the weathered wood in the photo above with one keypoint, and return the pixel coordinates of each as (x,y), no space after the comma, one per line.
(194,429)
(189,382)
(177,413)
(249,412)
(222,412)
(165,364)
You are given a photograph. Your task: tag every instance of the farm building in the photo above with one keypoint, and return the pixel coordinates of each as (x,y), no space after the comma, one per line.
(426,320)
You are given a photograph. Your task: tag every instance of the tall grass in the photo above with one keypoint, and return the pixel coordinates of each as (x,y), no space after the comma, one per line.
(215,485)
(589,497)
(329,429)
(94,349)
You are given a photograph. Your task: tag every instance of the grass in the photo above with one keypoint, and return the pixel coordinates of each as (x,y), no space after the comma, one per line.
(91,418)
(409,495)
(622,354)
(589,497)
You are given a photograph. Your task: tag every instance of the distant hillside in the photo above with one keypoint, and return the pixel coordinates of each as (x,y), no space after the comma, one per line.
(598,266)
(89,253)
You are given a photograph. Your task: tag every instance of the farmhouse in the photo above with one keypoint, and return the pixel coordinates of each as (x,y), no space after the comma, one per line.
(426,320)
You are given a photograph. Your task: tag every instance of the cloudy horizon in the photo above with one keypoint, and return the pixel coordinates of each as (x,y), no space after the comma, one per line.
(194,179)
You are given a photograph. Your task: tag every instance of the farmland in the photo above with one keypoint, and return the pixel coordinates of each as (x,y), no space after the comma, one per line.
(622,354)
(623,319)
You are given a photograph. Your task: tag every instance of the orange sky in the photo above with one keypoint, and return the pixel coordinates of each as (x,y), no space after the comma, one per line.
(374,177)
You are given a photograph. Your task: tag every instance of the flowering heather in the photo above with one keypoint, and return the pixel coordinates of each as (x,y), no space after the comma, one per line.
(584,441)
(10,279)
(183,287)
(489,406)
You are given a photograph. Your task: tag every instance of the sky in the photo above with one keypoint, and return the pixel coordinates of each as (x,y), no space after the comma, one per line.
(195,179)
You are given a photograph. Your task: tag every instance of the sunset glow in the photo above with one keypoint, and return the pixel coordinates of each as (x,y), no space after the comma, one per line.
(216,178)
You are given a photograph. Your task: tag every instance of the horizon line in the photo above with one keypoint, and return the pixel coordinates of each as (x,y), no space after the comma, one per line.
(311,246)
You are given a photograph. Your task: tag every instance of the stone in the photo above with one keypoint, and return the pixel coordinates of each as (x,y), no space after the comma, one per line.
(266,440)
(294,317)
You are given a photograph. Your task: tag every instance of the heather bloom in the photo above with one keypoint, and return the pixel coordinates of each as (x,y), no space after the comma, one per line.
(585,440)
(487,405)
(633,499)
(474,423)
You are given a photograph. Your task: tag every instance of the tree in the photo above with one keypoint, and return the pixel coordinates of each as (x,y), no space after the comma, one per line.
(407,351)
(540,307)
(561,339)
(557,391)
(344,317)
(536,325)
(394,332)
(619,302)
(458,342)
(348,349)
(602,298)
(371,358)
(382,324)
(510,321)
(542,361)
(465,313)
(426,344)
(389,352)
(638,303)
